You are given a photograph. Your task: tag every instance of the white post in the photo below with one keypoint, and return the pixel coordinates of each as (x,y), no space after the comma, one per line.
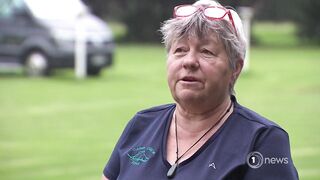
(246,14)
(80,50)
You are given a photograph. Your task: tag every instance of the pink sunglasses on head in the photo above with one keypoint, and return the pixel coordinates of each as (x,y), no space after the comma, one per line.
(211,12)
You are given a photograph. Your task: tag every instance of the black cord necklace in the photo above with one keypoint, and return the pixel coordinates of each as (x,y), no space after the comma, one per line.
(171,172)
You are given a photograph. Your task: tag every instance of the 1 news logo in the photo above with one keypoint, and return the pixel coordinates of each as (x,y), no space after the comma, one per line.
(255,160)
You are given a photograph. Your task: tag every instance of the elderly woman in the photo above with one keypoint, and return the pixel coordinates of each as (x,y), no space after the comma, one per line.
(206,134)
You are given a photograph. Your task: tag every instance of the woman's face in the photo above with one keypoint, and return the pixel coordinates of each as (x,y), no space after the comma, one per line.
(198,72)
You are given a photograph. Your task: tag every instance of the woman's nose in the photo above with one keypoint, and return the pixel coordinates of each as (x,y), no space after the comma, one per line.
(191,61)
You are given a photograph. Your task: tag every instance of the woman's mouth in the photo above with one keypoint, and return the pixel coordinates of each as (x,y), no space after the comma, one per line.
(190,79)
(191,82)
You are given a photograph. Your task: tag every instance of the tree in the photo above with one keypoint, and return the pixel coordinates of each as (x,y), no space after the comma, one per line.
(309,21)
(144,17)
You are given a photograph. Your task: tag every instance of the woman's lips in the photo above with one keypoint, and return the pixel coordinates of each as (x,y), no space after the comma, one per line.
(190,81)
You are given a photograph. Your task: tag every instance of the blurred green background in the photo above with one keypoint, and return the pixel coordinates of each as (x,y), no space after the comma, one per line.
(64,128)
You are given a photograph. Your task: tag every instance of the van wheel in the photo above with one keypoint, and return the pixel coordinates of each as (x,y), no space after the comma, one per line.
(36,64)
(93,71)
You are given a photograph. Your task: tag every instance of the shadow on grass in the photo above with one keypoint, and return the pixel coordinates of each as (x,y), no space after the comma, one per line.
(11,74)
(57,75)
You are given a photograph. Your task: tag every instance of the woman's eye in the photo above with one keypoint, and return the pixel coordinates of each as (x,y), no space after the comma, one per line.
(207,52)
(179,50)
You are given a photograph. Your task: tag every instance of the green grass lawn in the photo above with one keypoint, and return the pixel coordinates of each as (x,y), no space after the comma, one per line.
(63,128)
(279,34)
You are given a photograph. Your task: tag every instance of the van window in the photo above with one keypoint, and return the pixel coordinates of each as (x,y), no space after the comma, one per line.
(8,7)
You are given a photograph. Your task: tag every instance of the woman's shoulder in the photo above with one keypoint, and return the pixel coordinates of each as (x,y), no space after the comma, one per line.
(146,122)
(157,109)
(254,119)
(155,112)
(152,117)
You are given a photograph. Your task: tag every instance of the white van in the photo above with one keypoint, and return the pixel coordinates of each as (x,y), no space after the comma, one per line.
(40,36)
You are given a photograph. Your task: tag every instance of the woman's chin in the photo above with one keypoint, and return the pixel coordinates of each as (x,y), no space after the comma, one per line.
(190,96)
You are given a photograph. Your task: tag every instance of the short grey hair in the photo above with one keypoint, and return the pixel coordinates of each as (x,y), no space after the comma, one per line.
(197,25)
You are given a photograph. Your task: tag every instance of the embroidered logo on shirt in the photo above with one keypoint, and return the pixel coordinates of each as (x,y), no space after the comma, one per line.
(212,165)
(140,154)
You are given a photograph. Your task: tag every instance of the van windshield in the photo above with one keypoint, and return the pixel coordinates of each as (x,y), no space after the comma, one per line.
(56,9)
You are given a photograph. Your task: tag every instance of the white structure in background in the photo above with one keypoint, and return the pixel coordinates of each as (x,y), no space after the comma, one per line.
(246,14)
(80,48)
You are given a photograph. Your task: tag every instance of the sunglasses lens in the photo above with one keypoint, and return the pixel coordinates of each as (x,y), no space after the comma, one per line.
(185,10)
(215,12)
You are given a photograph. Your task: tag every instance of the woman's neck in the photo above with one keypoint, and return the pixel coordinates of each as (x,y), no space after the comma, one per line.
(195,123)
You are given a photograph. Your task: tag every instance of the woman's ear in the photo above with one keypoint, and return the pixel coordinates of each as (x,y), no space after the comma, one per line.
(237,70)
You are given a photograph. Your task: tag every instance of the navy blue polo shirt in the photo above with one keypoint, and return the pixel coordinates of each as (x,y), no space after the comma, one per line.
(247,146)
